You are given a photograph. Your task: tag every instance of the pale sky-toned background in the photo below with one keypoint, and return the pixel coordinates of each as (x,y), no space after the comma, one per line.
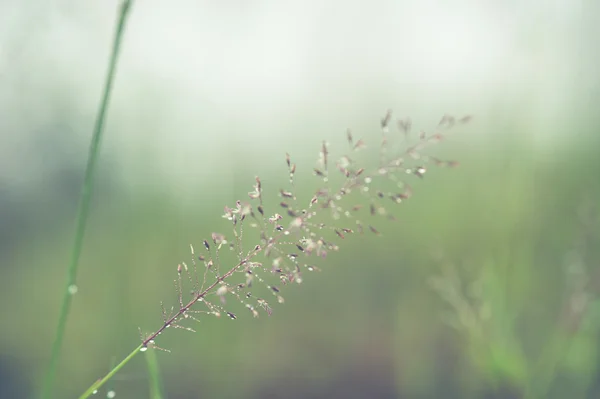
(198,78)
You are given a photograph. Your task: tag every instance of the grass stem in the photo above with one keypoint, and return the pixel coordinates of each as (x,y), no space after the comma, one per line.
(84,205)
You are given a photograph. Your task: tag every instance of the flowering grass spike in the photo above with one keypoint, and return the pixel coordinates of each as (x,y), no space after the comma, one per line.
(275,246)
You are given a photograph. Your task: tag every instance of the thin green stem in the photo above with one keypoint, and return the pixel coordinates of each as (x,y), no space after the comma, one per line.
(84,205)
(154,375)
(153,368)
(96,385)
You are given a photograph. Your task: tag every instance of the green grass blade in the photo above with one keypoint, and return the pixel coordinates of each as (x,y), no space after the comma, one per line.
(84,205)
(96,385)
(156,391)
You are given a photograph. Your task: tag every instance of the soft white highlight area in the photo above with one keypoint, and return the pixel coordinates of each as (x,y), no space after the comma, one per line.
(199,81)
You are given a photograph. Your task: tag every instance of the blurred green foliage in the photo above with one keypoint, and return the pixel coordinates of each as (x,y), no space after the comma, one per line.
(514,231)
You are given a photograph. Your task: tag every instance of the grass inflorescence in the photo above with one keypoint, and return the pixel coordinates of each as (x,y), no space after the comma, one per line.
(294,237)
(271,246)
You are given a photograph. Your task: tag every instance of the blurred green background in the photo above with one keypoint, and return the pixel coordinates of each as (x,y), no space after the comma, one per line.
(487,286)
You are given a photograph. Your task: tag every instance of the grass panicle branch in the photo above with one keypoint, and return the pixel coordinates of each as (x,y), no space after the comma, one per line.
(272,248)
(84,204)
